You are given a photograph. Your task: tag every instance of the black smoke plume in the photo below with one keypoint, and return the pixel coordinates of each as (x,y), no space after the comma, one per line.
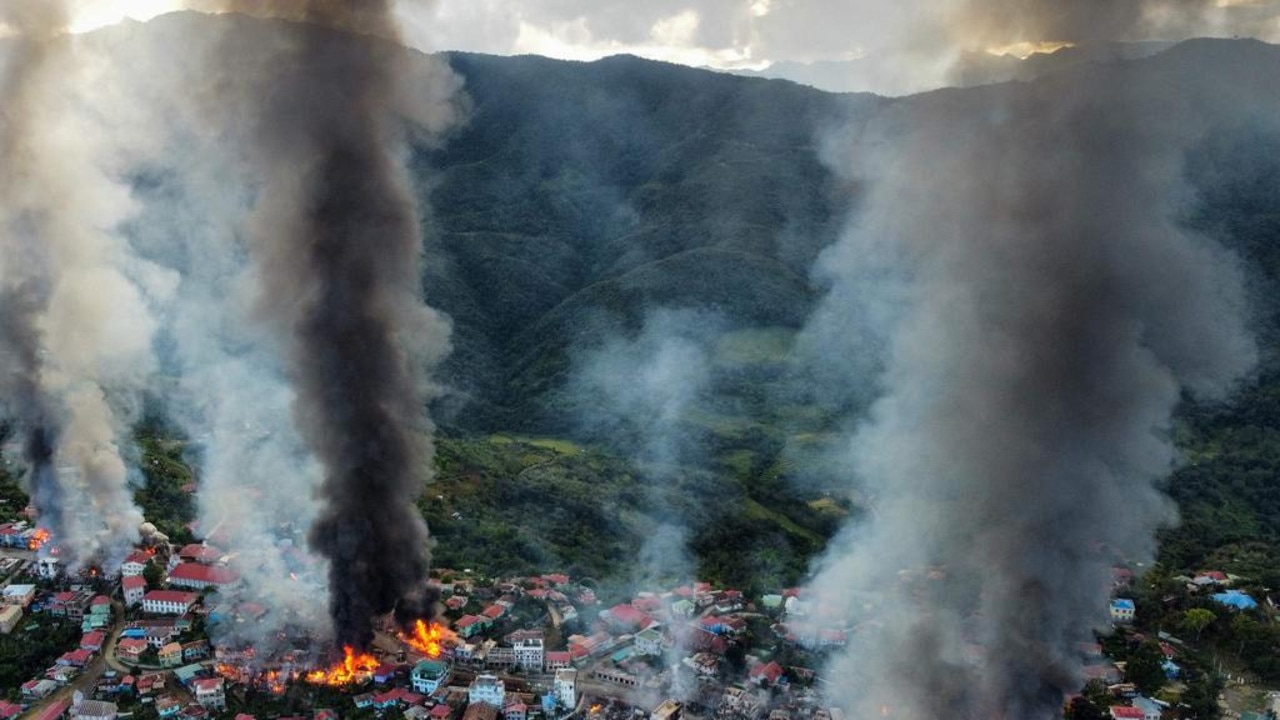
(337,244)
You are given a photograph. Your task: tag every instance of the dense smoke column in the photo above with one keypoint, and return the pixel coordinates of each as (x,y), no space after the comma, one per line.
(338,250)
(74,326)
(1051,311)
(25,294)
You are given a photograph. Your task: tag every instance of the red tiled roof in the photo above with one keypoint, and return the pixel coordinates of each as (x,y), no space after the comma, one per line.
(54,711)
(493,612)
(196,551)
(466,621)
(77,657)
(173,596)
(211,574)
(558,656)
(131,645)
(628,615)
(133,582)
(207,684)
(1124,711)
(93,639)
(441,711)
(770,672)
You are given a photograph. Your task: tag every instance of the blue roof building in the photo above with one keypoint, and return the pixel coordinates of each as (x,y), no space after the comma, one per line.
(1235,599)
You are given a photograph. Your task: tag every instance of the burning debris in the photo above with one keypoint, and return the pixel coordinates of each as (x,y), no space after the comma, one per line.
(39,539)
(354,668)
(429,638)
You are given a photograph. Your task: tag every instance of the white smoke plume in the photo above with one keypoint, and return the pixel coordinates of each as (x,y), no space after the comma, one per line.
(1045,309)
(77,313)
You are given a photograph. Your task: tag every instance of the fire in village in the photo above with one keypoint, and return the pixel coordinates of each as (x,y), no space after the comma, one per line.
(806,368)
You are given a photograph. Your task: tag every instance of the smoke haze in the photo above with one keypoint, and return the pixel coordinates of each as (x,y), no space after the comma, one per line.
(1051,310)
(76,323)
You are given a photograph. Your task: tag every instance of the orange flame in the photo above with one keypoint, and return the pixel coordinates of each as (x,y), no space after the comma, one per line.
(354,667)
(38,539)
(429,638)
(595,709)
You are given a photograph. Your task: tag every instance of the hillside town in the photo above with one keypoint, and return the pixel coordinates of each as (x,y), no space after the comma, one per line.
(539,647)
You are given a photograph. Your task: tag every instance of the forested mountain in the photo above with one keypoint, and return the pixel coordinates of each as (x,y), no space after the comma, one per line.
(579,206)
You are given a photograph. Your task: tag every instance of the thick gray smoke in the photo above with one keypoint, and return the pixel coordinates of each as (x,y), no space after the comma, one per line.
(75,312)
(1051,311)
(336,244)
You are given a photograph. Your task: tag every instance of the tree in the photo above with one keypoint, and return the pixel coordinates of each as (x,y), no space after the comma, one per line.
(1146,668)
(1082,708)
(1200,699)
(1197,619)
(153,573)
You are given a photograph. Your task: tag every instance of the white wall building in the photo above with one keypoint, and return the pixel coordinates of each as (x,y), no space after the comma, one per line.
(529,653)
(488,689)
(168,602)
(566,687)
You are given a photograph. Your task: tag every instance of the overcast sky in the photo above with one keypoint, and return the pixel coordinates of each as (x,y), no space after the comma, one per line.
(923,35)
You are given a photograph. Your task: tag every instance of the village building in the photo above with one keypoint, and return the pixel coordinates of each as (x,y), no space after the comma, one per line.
(529,653)
(428,675)
(668,710)
(171,655)
(135,564)
(20,595)
(94,710)
(487,689)
(1122,610)
(649,642)
(480,711)
(566,687)
(130,649)
(169,602)
(198,576)
(134,588)
(209,693)
(10,615)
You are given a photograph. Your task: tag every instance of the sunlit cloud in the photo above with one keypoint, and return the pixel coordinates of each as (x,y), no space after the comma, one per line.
(90,15)
(671,39)
(1026,49)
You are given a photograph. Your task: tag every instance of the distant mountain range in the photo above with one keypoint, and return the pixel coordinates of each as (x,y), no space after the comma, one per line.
(893,76)
(581,198)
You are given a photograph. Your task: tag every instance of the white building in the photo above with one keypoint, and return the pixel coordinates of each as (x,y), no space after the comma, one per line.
(529,653)
(134,589)
(48,568)
(1122,610)
(210,693)
(489,690)
(168,602)
(135,564)
(649,642)
(20,595)
(566,687)
(427,676)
